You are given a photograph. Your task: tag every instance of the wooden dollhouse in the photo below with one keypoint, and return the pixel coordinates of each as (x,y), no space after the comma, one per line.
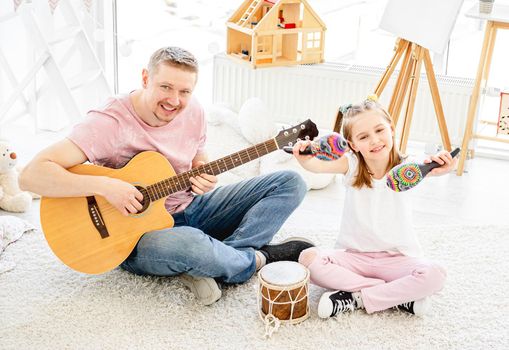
(275,33)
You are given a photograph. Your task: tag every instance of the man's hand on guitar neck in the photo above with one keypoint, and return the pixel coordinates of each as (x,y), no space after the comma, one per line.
(203,183)
(122,195)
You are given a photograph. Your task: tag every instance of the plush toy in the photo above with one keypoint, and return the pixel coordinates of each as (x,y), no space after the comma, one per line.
(11,197)
(256,123)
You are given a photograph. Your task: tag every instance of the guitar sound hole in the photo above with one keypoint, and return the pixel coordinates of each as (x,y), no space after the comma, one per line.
(146,200)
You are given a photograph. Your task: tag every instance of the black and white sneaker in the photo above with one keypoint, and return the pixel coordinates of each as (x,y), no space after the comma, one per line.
(333,303)
(288,250)
(417,307)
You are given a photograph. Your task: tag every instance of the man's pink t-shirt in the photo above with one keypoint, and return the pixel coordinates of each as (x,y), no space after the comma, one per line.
(112,135)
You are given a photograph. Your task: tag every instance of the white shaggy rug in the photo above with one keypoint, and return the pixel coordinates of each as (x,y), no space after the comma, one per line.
(45,305)
(11,229)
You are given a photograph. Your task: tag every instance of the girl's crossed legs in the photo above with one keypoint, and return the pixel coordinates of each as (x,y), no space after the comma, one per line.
(383,279)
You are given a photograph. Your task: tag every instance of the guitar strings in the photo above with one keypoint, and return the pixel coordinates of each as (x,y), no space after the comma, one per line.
(180,182)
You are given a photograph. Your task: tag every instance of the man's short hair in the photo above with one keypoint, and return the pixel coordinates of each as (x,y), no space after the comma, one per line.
(175,57)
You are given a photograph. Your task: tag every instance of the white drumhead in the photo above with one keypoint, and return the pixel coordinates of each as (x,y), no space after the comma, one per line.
(283,273)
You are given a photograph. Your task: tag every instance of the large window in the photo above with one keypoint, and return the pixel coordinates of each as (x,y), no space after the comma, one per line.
(196,25)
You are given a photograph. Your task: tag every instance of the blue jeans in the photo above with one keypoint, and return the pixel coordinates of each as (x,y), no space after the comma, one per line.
(217,234)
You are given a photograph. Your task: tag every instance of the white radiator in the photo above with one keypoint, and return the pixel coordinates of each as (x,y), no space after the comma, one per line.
(295,93)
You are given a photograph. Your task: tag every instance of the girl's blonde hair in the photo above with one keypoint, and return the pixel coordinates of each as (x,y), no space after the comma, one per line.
(348,116)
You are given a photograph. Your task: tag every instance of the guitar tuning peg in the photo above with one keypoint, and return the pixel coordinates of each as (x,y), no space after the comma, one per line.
(307,138)
(302,126)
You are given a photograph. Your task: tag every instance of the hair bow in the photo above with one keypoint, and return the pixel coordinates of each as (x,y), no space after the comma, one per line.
(372,97)
(344,108)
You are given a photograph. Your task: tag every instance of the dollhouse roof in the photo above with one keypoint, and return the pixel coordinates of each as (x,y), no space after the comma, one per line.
(272,15)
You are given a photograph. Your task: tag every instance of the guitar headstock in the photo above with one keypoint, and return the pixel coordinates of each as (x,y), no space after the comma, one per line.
(302,131)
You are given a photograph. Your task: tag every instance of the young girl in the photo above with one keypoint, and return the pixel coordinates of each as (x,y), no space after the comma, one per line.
(377,263)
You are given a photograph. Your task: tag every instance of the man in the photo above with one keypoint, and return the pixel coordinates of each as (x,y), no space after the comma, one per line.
(221,234)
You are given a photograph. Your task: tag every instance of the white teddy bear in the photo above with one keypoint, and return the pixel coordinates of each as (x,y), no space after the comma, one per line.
(11,197)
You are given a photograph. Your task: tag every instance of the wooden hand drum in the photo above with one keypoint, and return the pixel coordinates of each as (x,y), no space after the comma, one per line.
(283,291)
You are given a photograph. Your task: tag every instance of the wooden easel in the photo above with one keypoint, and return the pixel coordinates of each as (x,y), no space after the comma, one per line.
(408,82)
(498,19)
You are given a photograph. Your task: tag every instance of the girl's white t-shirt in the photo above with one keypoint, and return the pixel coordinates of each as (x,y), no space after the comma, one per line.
(376,219)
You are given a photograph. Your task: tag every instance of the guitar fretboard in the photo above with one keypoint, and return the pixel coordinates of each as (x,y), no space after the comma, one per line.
(181,182)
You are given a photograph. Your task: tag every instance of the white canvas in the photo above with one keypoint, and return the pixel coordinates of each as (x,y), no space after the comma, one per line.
(428,23)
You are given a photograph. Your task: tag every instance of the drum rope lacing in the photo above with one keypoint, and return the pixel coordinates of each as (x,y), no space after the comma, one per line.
(271,322)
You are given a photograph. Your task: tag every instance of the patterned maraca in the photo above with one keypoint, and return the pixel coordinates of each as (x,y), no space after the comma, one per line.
(328,147)
(407,175)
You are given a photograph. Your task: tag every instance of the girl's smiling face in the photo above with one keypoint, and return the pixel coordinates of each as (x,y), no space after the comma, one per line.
(372,136)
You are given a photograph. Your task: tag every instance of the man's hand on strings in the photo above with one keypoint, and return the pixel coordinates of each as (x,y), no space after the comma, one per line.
(202,183)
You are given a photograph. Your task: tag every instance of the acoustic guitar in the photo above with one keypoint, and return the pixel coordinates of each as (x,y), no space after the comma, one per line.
(89,235)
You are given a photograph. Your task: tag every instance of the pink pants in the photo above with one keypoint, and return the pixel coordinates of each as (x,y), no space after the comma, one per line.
(384,280)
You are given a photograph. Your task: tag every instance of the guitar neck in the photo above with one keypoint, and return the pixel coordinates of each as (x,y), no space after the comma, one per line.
(181,182)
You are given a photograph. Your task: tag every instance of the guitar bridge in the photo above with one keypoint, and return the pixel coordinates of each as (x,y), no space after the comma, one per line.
(96,217)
